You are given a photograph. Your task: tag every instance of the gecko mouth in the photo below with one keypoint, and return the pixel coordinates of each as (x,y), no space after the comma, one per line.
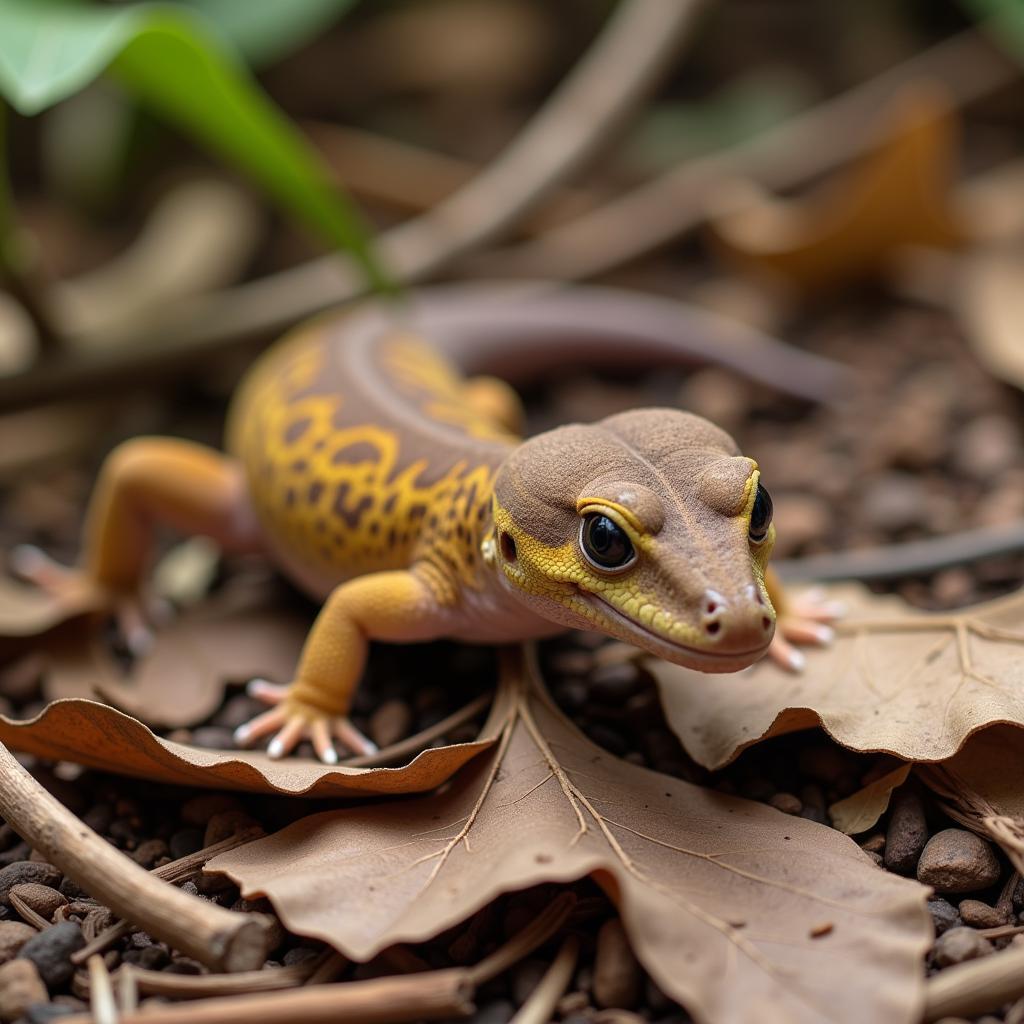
(681,654)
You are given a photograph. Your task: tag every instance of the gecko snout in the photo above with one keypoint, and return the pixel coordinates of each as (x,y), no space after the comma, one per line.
(739,623)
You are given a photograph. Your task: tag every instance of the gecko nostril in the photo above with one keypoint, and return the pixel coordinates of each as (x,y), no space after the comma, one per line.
(766,623)
(712,607)
(713,627)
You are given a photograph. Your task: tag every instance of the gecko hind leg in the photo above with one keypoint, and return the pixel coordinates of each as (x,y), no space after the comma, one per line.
(145,484)
(497,402)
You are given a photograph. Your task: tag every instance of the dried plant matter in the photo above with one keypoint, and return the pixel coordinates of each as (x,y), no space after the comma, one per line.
(913,684)
(898,195)
(101,737)
(728,904)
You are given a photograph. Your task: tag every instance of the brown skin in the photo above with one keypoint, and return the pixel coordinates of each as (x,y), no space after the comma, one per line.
(388,485)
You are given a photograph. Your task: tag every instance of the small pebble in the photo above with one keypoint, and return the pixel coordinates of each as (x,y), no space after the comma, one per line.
(225,825)
(617,974)
(874,843)
(20,988)
(955,860)
(185,841)
(50,951)
(200,809)
(944,915)
(150,851)
(616,683)
(958,945)
(23,872)
(981,915)
(786,802)
(43,899)
(13,935)
(907,833)
(391,722)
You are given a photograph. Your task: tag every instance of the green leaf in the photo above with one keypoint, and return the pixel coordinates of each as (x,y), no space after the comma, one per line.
(264,30)
(1003,20)
(170,59)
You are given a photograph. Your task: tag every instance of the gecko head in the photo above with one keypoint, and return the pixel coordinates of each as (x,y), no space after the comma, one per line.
(648,526)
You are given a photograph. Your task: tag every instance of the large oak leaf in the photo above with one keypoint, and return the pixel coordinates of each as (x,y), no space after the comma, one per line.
(729,904)
(914,684)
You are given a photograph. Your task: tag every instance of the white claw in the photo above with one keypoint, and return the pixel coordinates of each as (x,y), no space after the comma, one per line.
(329,756)
(796,660)
(242,734)
(824,634)
(275,750)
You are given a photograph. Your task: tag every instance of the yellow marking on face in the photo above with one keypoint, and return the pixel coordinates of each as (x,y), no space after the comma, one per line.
(555,573)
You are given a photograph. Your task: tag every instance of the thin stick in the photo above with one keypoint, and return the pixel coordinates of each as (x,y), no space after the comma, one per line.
(535,934)
(913,558)
(615,74)
(101,993)
(540,1007)
(975,987)
(210,934)
(435,995)
(795,152)
(412,178)
(421,740)
(205,986)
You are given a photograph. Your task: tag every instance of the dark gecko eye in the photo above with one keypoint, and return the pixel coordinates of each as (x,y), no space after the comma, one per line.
(605,543)
(760,515)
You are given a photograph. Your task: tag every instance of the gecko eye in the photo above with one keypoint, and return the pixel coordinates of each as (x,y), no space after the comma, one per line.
(760,515)
(605,543)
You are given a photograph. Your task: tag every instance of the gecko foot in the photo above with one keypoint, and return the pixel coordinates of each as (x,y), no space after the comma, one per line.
(75,591)
(804,622)
(293,721)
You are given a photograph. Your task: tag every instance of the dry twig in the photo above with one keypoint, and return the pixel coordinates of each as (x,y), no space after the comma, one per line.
(540,1007)
(216,937)
(975,987)
(610,80)
(791,154)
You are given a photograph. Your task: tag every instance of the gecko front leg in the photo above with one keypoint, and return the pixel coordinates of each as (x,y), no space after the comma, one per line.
(801,620)
(396,606)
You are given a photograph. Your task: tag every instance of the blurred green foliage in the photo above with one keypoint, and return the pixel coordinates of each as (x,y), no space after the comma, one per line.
(179,65)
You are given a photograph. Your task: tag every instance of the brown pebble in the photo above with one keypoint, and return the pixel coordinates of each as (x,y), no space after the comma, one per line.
(617,974)
(43,899)
(200,809)
(907,833)
(960,944)
(391,722)
(572,1002)
(955,860)
(225,825)
(150,851)
(25,871)
(13,935)
(20,988)
(787,803)
(986,447)
(616,683)
(801,519)
(981,915)
(893,502)
(874,843)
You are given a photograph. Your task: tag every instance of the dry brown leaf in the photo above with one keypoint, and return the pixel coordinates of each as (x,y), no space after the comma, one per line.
(909,683)
(728,904)
(898,195)
(181,680)
(981,787)
(27,612)
(991,306)
(861,810)
(101,737)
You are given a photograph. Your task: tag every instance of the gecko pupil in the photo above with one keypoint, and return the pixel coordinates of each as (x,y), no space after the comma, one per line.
(760,515)
(606,543)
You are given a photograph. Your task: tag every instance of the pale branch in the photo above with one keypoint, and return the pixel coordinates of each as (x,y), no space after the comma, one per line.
(435,995)
(539,1008)
(611,79)
(976,987)
(792,154)
(217,937)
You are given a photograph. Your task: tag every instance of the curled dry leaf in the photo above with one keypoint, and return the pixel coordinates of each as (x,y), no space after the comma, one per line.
(981,788)
(898,195)
(861,810)
(180,681)
(101,737)
(728,904)
(908,683)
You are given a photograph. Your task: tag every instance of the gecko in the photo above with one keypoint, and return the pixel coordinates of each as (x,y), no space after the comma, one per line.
(387,478)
